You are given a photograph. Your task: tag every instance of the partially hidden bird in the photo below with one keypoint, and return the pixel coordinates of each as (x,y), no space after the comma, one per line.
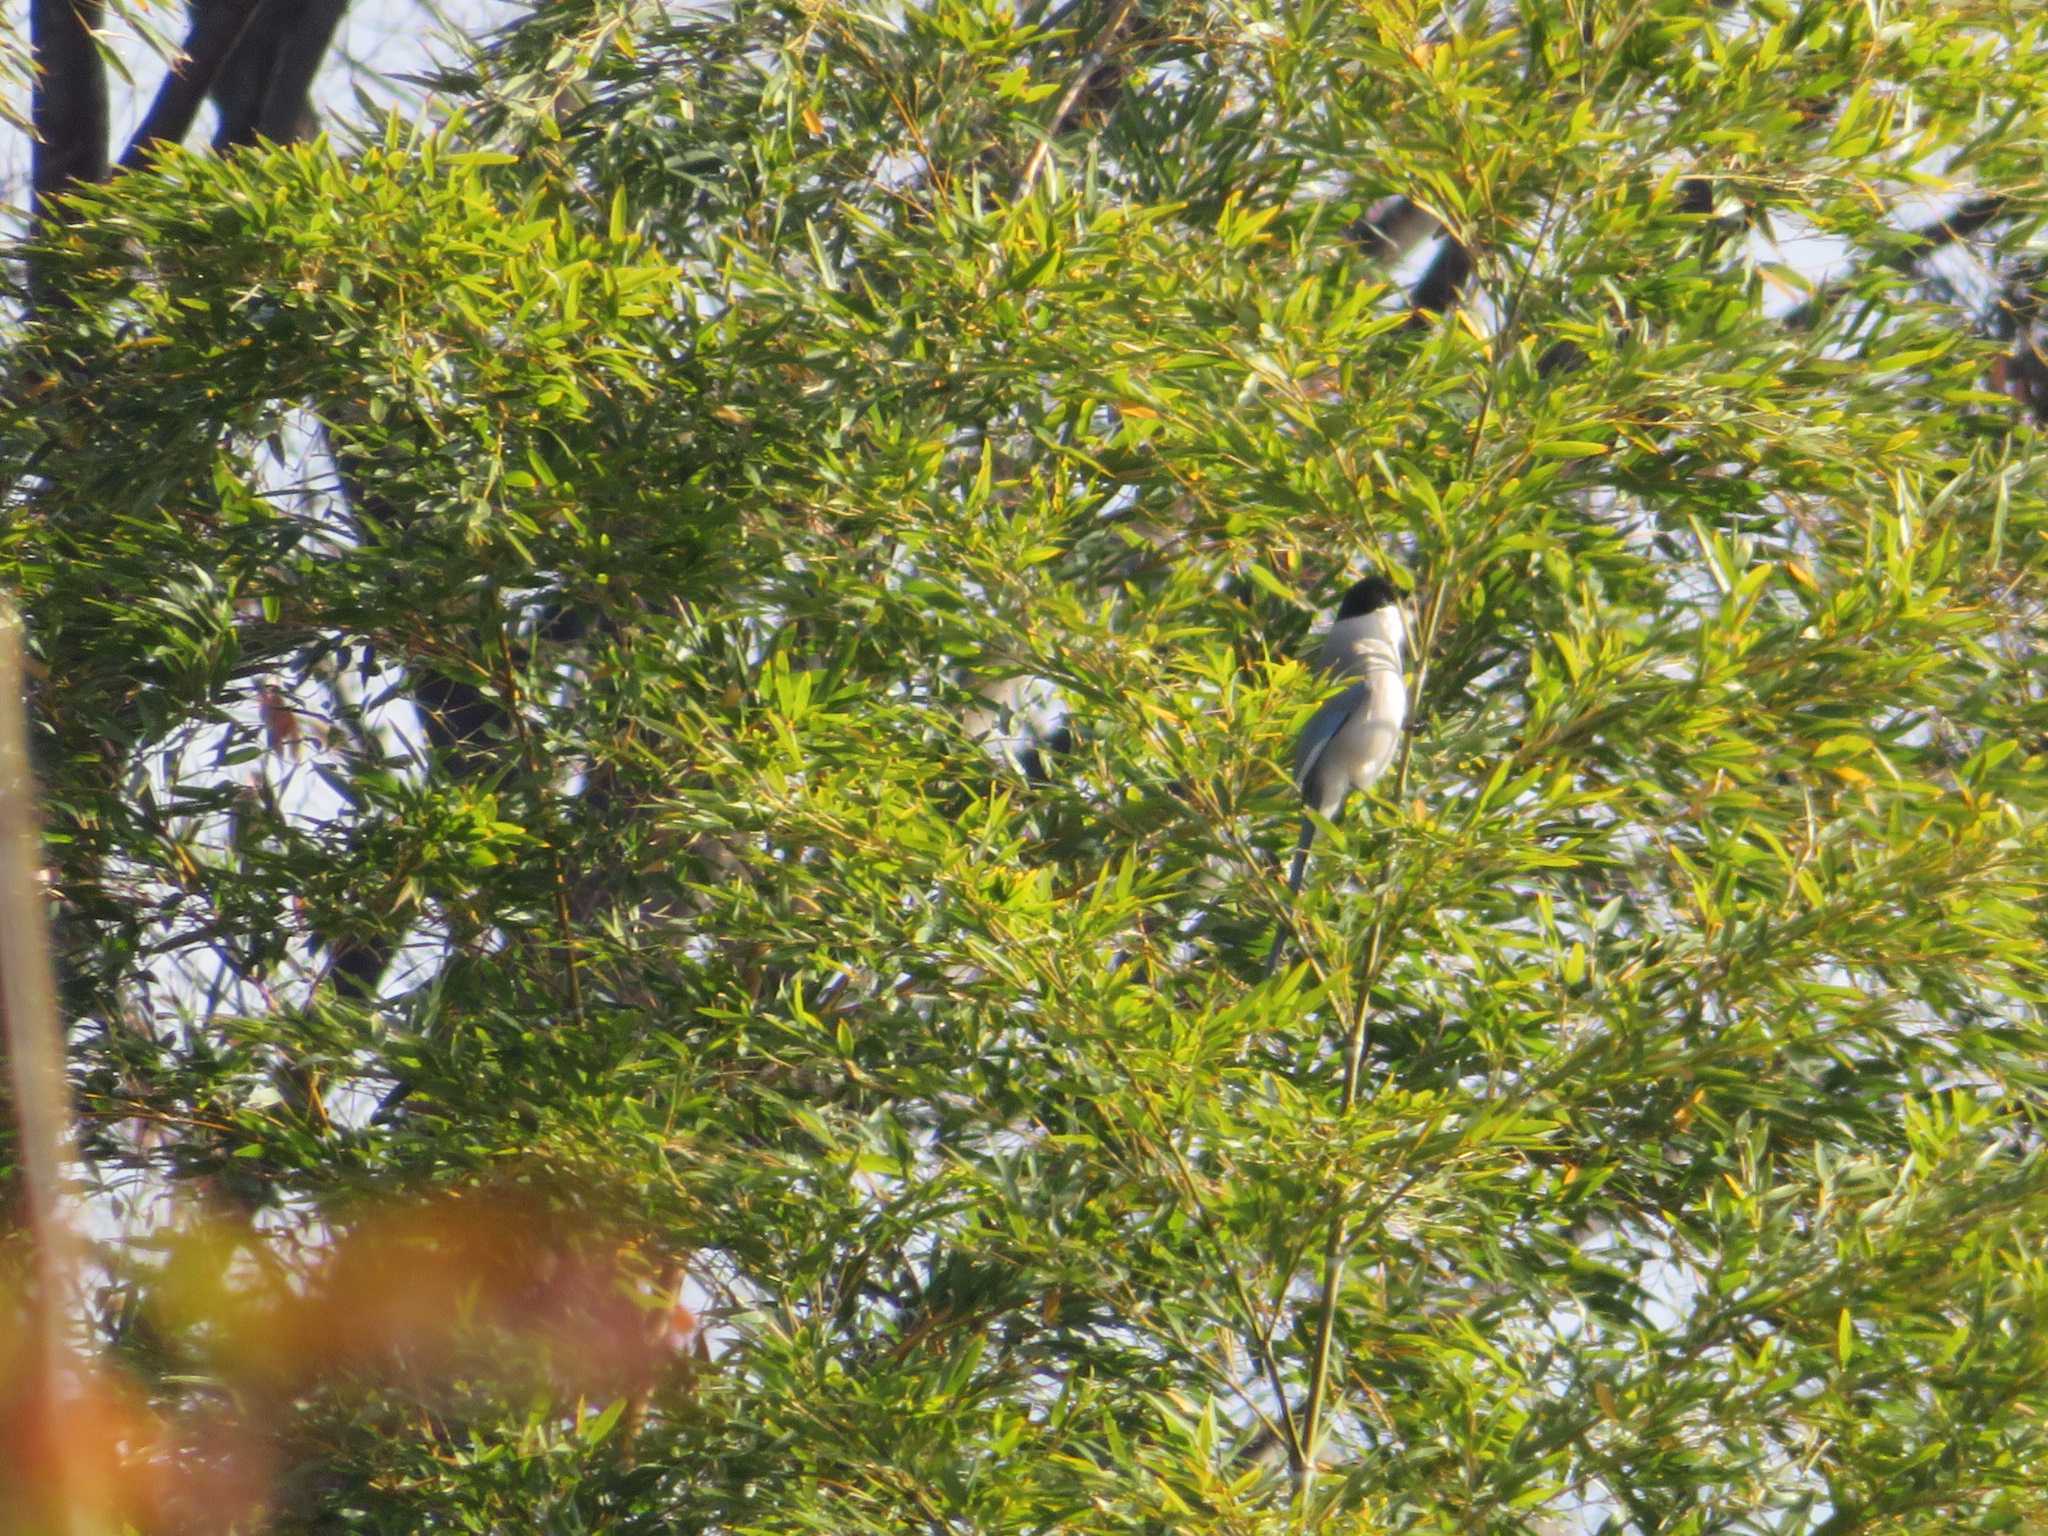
(1352,739)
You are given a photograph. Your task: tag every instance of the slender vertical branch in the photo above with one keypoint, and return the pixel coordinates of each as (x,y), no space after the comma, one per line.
(40,1098)
(1335,1249)
(1261,1331)
(537,775)
(1335,1246)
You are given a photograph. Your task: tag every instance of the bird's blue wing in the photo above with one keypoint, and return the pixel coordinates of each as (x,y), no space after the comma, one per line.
(1315,740)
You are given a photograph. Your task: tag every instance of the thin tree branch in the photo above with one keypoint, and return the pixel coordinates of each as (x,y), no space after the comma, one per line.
(1913,247)
(1336,1247)
(1103,42)
(1261,1333)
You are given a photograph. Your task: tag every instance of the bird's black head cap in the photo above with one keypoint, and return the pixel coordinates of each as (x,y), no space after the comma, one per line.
(1368,596)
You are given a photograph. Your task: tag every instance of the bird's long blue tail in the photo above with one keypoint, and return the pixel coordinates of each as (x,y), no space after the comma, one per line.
(1294,874)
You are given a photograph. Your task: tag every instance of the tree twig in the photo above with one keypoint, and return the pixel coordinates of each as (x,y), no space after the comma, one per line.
(1913,247)
(1096,57)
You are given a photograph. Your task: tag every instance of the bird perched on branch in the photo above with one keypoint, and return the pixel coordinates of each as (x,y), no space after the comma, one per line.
(1352,739)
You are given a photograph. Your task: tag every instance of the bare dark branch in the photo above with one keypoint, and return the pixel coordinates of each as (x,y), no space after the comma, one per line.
(216,28)
(1105,40)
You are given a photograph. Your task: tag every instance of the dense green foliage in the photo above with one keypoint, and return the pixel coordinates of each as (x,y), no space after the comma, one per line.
(715,405)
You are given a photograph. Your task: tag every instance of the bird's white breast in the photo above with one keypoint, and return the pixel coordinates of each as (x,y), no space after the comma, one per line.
(1361,646)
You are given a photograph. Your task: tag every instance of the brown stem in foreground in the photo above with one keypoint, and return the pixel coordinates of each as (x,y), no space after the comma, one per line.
(38,1095)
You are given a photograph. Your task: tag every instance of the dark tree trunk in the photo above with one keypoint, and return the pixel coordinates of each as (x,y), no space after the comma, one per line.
(70,108)
(256,58)
(264,89)
(217,26)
